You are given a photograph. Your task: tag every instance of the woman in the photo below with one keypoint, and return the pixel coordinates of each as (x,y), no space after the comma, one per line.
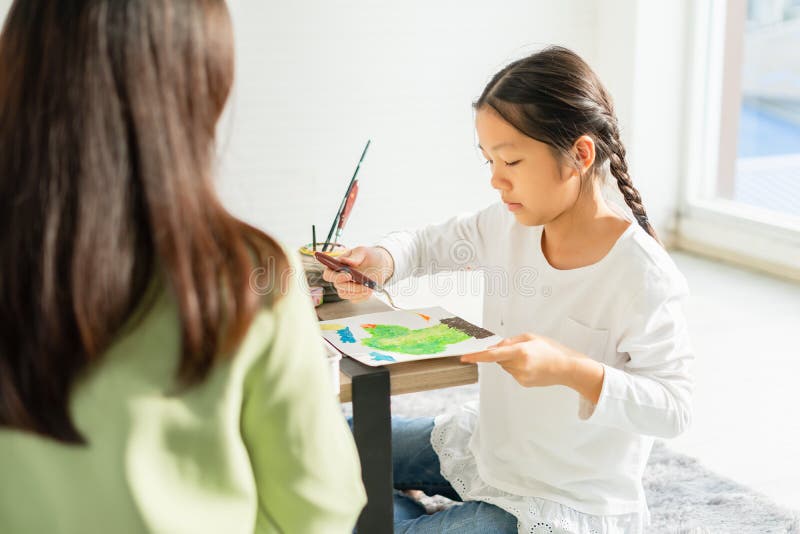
(144,384)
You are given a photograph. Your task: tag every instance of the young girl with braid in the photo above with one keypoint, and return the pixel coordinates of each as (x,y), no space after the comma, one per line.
(595,361)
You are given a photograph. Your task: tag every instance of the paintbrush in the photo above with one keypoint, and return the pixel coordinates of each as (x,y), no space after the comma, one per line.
(348,207)
(344,199)
(357,276)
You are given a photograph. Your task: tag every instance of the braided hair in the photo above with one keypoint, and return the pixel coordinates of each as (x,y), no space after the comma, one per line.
(553,96)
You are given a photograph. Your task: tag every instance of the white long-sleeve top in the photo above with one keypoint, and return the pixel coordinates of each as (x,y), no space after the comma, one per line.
(625,311)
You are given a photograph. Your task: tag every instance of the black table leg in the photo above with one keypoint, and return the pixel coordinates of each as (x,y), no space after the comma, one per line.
(372,431)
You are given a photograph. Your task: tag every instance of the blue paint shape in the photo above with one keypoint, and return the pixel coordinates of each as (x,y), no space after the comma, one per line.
(378,357)
(345,335)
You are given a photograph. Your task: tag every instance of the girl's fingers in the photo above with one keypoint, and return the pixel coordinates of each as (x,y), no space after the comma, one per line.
(353,261)
(353,257)
(336,277)
(514,340)
(498,354)
(343,281)
(351,290)
(351,287)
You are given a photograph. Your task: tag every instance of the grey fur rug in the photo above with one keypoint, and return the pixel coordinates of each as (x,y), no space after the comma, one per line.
(684,497)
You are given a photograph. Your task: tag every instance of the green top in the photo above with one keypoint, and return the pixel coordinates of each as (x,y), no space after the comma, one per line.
(260,446)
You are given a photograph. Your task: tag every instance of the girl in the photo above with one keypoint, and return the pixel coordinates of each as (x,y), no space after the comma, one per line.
(596,359)
(144,385)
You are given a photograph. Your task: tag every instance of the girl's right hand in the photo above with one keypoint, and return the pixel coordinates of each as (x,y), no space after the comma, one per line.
(374,262)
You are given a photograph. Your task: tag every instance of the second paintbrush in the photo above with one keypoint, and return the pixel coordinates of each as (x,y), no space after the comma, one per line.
(349,198)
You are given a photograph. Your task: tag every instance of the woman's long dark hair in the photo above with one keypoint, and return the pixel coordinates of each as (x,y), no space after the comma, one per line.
(554,97)
(108,110)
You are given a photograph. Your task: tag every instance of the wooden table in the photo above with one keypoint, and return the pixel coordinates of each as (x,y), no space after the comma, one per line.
(369,389)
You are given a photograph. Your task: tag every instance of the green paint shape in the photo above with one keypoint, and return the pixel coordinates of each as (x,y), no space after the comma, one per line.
(429,340)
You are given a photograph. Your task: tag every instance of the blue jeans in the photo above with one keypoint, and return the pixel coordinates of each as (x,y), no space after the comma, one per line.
(415,465)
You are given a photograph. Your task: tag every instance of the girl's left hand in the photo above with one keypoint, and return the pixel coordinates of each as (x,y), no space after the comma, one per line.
(531,359)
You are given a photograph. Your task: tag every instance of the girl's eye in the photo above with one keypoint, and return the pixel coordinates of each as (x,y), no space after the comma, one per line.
(508,164)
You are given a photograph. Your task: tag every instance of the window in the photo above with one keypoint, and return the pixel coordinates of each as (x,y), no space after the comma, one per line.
(742,190)
(767,162)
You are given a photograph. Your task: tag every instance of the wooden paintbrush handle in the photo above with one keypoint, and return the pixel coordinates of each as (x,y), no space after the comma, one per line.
(358,277)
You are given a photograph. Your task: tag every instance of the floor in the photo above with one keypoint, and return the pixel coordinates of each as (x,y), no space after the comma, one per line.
(745,328)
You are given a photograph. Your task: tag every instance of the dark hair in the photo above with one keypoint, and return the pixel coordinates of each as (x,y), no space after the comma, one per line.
(554,97)
(108,111)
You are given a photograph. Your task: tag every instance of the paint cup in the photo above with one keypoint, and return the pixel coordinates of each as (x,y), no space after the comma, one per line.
(314,270)
(333,357)
(316,293)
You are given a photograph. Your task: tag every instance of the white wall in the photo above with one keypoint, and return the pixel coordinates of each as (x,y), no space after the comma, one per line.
(316,79)
(641,49)
(658,130)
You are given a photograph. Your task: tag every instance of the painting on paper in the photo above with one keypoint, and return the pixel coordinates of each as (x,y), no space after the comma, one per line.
(405,335)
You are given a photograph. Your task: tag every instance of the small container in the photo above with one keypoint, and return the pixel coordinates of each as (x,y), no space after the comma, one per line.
(314,270)
(317,294)
(334,357)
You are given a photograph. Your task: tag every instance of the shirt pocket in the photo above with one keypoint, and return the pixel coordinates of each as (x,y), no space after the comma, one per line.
(587,340)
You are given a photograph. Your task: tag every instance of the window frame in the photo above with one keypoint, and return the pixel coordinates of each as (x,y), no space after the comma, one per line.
(706,223)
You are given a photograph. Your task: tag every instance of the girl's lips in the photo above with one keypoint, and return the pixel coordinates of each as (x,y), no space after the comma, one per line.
(513,206)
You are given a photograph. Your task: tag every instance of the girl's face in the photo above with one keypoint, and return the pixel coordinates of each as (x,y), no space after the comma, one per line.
(532,182)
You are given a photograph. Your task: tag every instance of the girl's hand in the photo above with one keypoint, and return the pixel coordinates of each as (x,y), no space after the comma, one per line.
(532,360)
(374,262)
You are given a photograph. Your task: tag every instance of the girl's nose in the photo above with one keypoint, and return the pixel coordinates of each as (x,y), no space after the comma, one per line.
(498,182)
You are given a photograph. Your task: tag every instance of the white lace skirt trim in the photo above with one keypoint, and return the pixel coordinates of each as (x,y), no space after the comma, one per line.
(450,439)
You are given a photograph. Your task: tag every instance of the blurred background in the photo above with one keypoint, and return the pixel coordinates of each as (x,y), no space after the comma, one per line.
(706,93)
(708,96)
(317,79)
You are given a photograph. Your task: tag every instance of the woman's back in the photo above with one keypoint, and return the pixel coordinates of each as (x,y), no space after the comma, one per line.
(258,446)
(145,383)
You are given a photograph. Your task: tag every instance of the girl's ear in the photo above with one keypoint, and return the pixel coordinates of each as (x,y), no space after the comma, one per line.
(583,150)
